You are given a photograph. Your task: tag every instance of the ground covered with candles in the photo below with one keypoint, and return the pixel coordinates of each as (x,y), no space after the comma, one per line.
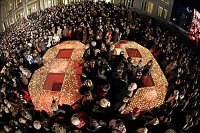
(60,77)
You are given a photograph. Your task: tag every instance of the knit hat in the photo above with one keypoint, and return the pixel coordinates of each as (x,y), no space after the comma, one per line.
(106,87)
(132,86)
(104,103)
(93,43)
(97,51)
(36,124)
(142,130)
(75,120)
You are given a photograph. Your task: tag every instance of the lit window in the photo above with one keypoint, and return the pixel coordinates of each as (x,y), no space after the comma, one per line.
(160,10)
(66,2)
(34,7)
(167,1)
(50,3)
(18,16)
(165,13)
(150,7)
(10,6)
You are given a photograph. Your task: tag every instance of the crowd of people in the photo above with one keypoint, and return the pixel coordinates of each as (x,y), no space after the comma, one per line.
(194,31)
(109,81)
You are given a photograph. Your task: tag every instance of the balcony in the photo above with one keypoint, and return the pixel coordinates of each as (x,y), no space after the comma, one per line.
(19,5)
(10,12)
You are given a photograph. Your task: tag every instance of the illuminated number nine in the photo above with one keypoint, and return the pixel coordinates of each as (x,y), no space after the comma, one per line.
(153,94)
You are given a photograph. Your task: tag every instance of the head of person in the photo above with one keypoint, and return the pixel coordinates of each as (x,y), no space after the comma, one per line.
(88,83)
(104,103)
(106,87)
(37,125)
(136,112)
(22,120)
(132,86)
(94,124)
(75,120)
(142,130)
(150,63)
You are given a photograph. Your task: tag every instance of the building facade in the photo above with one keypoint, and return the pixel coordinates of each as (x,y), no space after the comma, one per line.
(13,10)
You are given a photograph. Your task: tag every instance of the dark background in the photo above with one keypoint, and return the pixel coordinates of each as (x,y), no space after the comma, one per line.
(180,15)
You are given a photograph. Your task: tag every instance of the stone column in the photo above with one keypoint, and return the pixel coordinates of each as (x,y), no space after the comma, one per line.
(25,8)
(1,17)
(42,6)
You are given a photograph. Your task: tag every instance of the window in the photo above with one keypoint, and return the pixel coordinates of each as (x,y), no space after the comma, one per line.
(21,14)
(4,27)
(132,3)
(29,11)
(65,2)
(60,1)
(18,16)
(10,9)
(18,3)
(11,21)
(50,3)
(160,10)
(144,6)
(129,3)
(150,7)
(165,13)
(167,1)
(10,6)
(34,7)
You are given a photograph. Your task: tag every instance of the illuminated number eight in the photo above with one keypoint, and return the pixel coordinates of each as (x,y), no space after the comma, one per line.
(59,77)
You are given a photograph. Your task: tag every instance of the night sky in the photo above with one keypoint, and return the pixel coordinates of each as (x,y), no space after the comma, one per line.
(182,7)
(191,3)
(195,4)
